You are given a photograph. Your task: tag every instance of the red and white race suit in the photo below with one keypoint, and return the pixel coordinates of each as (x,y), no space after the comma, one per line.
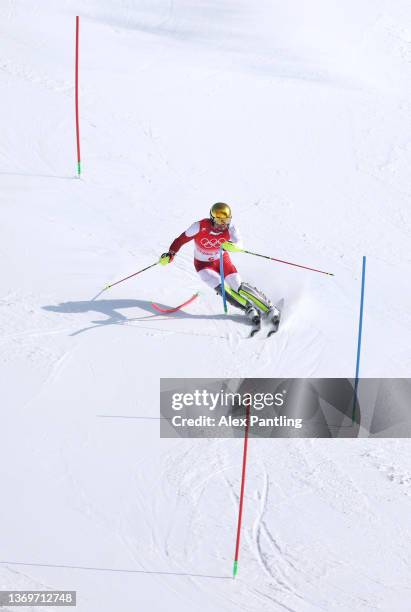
(207,242)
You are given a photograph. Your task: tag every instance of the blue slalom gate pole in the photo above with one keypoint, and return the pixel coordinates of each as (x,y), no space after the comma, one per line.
(222,280)
(357,365)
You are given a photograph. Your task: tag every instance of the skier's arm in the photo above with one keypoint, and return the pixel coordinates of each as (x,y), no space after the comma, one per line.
(234,244)
(182,239)
(235,237)
(185,237)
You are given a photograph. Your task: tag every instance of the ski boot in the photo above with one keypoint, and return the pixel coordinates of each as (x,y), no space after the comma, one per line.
(256,297)
(255,317)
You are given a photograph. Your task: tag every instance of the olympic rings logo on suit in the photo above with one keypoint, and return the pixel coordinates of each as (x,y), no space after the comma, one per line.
(209,243)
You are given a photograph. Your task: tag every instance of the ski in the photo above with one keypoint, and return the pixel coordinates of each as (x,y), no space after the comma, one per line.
(275,324)
(255,329)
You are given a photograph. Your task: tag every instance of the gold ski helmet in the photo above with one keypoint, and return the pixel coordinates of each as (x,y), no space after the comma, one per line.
(220,214)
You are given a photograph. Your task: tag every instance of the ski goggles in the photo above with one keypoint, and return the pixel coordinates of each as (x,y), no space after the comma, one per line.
(221,218)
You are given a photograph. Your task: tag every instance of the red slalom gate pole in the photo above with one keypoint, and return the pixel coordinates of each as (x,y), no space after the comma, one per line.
(76,96)
(240,509)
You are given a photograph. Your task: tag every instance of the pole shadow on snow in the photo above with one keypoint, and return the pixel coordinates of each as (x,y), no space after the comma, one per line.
(112,569)
(47,176)
(111,309)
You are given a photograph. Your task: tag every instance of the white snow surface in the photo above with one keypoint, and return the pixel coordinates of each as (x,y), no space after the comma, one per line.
(297,113)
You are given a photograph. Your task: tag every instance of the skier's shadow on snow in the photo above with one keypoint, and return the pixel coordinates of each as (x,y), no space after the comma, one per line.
(111,309)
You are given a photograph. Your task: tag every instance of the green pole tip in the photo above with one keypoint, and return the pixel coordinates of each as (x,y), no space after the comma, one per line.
(79,168)
(235,569)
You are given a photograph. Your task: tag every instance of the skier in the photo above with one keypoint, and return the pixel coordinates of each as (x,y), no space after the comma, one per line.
(209,236)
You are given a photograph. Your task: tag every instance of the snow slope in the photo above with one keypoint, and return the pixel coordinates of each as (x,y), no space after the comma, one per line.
(296,113)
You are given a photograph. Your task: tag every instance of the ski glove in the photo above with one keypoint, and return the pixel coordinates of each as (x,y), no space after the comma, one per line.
(166,258)
(230,246)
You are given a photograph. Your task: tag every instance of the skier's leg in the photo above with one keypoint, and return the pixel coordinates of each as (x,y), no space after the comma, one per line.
(210,277)
(252,295)
(233,280)
(232,285)
(244,291)
(232,297)
(209,272)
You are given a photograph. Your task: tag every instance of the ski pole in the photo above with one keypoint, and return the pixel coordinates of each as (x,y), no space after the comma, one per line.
(131,275)
(222,277)
(228,246)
